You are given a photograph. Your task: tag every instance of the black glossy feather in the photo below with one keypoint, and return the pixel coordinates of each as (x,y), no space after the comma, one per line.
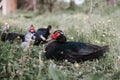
(45,32)
(74,51)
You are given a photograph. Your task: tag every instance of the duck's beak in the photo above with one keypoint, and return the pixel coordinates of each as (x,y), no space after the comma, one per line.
(49,39)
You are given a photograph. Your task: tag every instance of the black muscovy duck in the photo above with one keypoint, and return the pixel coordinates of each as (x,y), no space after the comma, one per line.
(6,35)
(60,49)
(41,35)
(12,36)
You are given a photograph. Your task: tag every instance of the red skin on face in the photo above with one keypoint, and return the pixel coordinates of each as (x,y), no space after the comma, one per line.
(55,35)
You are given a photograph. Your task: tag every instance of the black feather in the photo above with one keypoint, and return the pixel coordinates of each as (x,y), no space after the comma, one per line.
(74,51)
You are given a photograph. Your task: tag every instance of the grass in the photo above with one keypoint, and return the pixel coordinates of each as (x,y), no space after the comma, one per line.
(97,29)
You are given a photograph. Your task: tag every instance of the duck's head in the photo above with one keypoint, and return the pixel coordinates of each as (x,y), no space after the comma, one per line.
(59,36)
(5,28)
(49,27)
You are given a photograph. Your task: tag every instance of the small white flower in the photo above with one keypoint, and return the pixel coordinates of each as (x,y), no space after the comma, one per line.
(34,65)
(109,20)
(71,38)
(103,35)
(66,60)
(118,57)
(97,41)
(9,64)
(62,52)
(76,64)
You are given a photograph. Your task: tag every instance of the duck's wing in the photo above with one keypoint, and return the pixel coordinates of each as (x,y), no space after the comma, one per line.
(85,54)
(91,49)
(42,31)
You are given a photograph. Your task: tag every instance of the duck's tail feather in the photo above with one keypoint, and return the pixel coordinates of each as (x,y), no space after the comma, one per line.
(104,49)
(97,54)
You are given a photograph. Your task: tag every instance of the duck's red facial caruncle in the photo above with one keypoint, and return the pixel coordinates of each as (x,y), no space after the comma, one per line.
(55,35)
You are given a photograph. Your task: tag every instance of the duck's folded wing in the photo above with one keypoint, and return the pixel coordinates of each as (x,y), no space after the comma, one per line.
(90,49)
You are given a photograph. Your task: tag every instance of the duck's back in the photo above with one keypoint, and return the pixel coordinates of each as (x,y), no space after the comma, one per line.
(43,31)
